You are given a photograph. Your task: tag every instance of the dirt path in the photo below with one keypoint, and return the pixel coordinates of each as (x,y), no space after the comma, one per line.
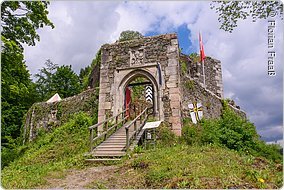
(100,177)
(79,179)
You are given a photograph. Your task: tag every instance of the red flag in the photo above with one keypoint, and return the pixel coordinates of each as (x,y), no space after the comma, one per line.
(202,54)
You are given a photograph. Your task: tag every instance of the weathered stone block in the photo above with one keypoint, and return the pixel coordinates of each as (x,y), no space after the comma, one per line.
(175,120)
(102,98)
(173,62)
(176,112)
(174,90)
(105,90)
(171,49)
(174,42)
(175,104)
(171,70)
(171,84)
(106,105)
(173,78)
(101,112)
(104,80)
(175,97)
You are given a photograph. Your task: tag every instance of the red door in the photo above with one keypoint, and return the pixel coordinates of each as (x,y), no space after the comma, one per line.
(127,100)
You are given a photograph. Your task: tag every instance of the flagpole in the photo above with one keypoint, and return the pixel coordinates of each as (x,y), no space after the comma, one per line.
(203,73)
(202,56)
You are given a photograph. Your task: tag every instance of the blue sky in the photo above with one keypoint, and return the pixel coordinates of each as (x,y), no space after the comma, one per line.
(183,38)
(81,27)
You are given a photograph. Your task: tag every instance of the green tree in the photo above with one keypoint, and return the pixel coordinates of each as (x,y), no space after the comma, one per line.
(129,35)
(19,21)
(232,11)
(44,81)
(65,82)
(54,79)
(84,76)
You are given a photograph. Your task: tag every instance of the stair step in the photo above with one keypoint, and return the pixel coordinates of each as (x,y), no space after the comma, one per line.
(102,159)
(115,141)
(108,154)
(108,149)
(112,145)
(122,136)
(117,138)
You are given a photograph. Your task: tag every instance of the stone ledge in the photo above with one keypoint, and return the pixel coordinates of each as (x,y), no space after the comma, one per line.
(138,67)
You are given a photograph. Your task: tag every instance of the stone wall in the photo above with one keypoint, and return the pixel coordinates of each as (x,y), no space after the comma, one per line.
(46,116)
(213,73)
(192,91)
(94,78)
(123,61)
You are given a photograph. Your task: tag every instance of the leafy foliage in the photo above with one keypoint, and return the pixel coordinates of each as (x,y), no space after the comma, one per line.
(84,76)
(183,68)
(232,11)
(66,82)
(230,131)
(44,81)
(129,35)
(54,79)
(138,92)
(55,151)
(19,21)
(194,57)
(165,136)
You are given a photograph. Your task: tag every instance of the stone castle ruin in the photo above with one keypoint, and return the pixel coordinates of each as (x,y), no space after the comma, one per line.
(175,80)
(157,59)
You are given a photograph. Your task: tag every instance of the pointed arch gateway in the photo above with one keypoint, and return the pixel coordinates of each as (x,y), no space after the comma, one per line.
(123,89)
(153,58)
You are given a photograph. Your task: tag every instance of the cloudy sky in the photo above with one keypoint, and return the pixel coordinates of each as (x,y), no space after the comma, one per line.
(82,27)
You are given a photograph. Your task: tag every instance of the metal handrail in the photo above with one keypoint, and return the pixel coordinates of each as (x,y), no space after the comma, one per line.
(133,136)
(106,130)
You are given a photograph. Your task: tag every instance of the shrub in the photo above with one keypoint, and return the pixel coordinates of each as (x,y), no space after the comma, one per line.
(165,136)
(190,134)
(210,132)
(230,131)
(237,133)
(183,68)
(11,151)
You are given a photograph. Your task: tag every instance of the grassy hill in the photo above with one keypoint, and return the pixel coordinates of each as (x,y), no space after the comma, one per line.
(221,153)
(201,167)
(50,154)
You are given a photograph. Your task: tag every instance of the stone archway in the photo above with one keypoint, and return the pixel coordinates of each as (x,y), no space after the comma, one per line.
(156,59)
(120,96)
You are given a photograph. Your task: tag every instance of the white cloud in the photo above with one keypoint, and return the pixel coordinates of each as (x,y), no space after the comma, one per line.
(80,29)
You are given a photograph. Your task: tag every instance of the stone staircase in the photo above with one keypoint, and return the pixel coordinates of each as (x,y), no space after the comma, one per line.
(112,147)
(117,144)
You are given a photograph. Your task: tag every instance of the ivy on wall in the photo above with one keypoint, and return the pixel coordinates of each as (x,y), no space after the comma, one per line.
(47,116)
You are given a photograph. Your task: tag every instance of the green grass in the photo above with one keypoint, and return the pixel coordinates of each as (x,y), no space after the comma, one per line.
(209,166)
(52,152)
